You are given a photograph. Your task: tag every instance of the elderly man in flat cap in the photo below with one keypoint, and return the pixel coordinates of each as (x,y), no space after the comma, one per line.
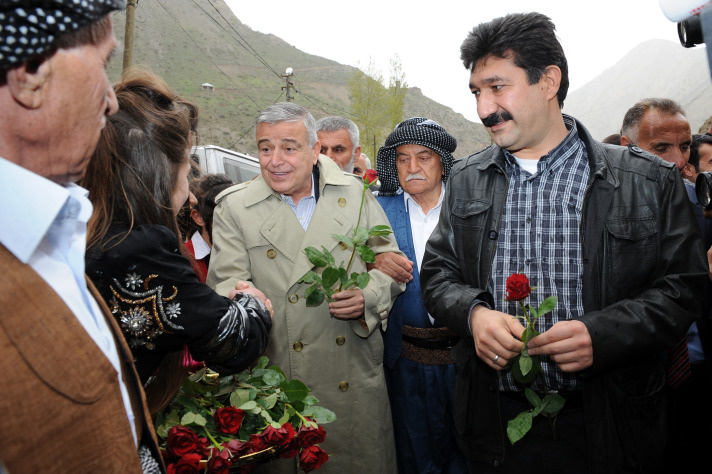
(413,167)
(71,400)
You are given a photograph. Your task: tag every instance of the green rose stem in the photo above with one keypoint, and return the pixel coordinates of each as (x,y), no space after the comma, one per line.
(366,185)
(530,325)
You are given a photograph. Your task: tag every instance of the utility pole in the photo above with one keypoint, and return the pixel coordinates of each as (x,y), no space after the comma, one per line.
(288,74)
(129,33)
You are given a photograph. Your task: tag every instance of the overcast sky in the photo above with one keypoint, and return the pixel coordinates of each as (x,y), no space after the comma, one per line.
(427,35)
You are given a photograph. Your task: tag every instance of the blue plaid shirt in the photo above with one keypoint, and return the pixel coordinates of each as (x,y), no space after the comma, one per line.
(539,237)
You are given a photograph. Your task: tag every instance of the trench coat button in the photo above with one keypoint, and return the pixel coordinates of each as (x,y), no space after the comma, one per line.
(343,246)
(341,340)
(342,202)
(298,346)
(362,323)
(271,253)
(343,386)
(293,298)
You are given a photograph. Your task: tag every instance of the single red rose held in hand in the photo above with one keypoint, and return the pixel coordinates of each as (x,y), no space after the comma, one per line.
(370,176)
(518,288)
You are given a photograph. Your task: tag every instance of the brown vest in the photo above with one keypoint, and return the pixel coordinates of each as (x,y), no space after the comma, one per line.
(60,404)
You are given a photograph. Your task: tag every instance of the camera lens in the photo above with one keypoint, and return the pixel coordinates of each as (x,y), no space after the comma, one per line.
(690,32)
(703,187)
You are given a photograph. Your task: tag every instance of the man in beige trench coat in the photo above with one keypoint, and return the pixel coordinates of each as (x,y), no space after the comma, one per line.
(260,231)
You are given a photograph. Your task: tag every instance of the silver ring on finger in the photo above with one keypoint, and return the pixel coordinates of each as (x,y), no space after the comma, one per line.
(496,358)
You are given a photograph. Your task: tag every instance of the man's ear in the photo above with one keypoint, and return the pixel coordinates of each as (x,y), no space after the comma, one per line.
(552,78)
(625,141)
(195,215)
(27,82)
(688,172)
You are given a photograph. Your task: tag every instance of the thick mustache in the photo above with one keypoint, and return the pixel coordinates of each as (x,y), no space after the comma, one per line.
(495,119)
(414,176)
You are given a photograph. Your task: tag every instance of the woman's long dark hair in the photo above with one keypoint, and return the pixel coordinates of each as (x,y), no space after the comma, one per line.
(131,179)
(134,170)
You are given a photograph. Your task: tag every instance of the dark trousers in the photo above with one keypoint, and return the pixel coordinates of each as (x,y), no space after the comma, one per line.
(690,422)
(562,451)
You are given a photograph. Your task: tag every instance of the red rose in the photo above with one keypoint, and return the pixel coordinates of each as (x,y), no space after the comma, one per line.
(182,441)
(518,287)
(257,443)
(291,450)
(312,458)
(228,420)
(278,437)
(370,176)
(188,464)
(220,463)
(311,435)
(237,448)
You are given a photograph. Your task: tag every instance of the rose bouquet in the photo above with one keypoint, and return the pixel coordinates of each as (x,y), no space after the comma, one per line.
(525,368)
(230,424)
(323,285)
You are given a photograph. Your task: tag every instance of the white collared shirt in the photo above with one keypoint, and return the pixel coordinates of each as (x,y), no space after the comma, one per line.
(306,207)
(44,225)
(201,249)
(422,225)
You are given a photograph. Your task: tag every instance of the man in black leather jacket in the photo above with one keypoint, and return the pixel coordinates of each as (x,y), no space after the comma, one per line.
(634,268)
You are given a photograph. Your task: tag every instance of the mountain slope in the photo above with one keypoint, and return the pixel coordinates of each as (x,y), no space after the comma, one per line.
(189,43)
(677,73)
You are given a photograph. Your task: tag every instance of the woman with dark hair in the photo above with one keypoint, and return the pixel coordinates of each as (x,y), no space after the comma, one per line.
(138,181)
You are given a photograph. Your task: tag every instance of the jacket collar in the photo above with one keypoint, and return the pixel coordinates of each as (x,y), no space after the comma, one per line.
(330,173)
(597,158)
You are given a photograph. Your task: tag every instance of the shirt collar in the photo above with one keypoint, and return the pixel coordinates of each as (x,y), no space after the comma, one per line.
(30,204)
(407,197)
(288,199)
(561,152)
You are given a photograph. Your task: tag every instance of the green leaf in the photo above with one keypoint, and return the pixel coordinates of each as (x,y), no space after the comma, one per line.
(345,239)
(529,377)
(547,305)
(362,280)
(314,296)
(532,397)
(191,418)
(247,406)
(532,312)
(519,426)
(320,414)
(272,378)
(309,277)
(311,400)
(327,255)
(239,397)
(552,404)
(528,334)
(365,253)
(294,390)
(361,235)
(525,364)
(379,230)
(277,369)
(330,276)
(317,258)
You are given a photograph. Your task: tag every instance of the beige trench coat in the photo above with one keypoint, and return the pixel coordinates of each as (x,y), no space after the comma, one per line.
(257,237)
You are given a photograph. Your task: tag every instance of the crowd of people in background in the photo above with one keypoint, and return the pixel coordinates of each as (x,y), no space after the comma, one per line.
(106,214)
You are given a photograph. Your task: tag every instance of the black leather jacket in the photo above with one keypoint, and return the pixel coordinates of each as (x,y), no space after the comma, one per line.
(643,276)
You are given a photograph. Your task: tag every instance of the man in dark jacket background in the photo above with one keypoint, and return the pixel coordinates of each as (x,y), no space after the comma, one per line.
(606,229)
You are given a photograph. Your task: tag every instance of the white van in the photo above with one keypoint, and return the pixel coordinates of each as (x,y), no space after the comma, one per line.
(238,166)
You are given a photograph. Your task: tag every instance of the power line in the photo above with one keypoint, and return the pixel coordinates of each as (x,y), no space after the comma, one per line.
(247,45)
(175,20)
(253,123)
(310,98)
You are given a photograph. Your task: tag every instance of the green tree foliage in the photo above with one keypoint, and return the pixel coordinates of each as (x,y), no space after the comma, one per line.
(377,108)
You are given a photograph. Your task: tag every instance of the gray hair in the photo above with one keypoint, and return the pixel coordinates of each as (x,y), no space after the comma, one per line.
(334,123)
(632,118)
(289,112)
